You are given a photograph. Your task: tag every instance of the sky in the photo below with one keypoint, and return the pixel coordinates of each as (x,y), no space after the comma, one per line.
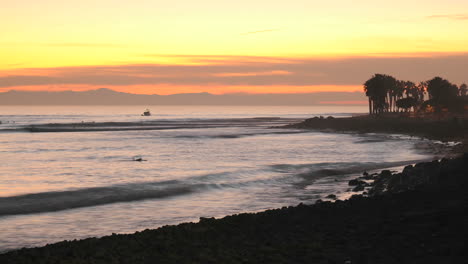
(218,46)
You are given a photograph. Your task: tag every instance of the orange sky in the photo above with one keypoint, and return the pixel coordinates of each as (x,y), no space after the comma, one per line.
(164,47)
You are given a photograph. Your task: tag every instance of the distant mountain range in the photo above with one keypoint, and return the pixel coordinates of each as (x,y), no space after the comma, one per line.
(105,96)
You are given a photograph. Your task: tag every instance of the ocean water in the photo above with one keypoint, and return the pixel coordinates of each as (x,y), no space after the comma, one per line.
(82,181)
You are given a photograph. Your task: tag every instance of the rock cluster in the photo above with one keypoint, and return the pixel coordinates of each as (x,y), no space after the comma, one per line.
(443,173)
(439,129)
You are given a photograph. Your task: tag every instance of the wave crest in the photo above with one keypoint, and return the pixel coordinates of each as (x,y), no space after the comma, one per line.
(63,200)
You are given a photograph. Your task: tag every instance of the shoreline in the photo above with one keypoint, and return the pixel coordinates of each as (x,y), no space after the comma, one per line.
(413,222)
(443,130)
(412,216)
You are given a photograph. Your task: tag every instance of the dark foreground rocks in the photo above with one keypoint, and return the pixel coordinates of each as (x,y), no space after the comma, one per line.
(443,173)
(427,222)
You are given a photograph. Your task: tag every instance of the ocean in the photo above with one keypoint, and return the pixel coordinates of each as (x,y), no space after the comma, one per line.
(79,178)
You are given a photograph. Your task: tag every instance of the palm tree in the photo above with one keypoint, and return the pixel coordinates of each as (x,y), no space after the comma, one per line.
(377,89)
(394,93)
(398,92)
(422,87)
(369,92)
(370,87)
(406,103)
(463,89)
(441,92)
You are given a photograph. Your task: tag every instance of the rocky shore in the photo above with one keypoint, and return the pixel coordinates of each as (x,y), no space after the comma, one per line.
(416,216)
(444,129)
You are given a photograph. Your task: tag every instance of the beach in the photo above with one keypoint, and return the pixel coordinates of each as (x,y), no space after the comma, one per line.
(214,162)
(426,224)
(410,216)
(328,132)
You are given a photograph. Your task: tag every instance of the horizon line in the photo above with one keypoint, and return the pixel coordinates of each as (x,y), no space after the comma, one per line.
(197,93)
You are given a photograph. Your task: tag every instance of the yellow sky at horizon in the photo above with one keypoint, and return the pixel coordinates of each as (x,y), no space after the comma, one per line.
(61,33)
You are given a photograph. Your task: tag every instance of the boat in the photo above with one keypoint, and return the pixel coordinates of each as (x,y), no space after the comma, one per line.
(146,113)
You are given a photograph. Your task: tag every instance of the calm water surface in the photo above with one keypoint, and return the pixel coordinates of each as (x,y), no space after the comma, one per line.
(213,161)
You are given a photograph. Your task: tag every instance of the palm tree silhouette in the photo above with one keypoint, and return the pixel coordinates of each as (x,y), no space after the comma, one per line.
(387,94)
(441,92)
(463,89)
(378,89)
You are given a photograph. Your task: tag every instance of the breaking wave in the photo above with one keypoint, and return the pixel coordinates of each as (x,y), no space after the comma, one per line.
(62,200)
(317,170)
(152,125)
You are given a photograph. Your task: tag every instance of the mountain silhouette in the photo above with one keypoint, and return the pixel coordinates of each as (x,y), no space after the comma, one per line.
(104,96)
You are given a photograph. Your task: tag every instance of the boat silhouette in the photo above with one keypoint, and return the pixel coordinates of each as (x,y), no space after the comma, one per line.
(146,113)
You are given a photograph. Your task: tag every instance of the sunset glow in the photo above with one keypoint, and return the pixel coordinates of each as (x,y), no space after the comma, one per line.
(233,131)
(260,44)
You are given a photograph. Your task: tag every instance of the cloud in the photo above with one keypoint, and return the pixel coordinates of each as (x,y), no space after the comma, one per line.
(222,59)
(239,74)
(249,71)
(450,16)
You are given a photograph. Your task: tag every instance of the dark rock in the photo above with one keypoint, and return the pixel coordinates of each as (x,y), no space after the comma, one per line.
(408,169)
(358,188)
(385,173)
(206,219)
(331,196)
(367,176)
(356,182)
(355,197)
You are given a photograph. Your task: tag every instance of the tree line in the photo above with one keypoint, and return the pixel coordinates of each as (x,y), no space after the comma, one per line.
(387,94)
